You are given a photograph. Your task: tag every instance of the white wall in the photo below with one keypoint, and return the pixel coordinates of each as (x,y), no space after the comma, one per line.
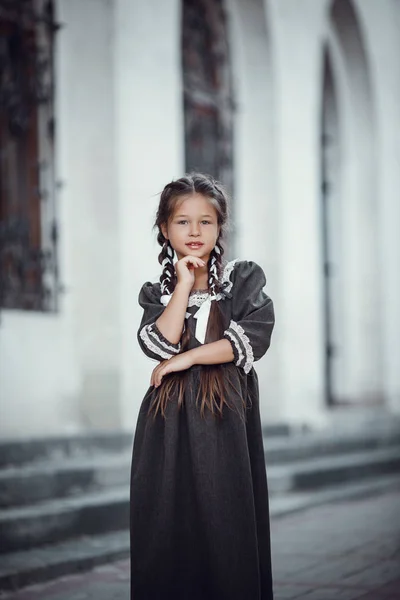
(38,375)
(381,24)
(149,125)
(297,51)
(255,200)
(360,348)
(91,214)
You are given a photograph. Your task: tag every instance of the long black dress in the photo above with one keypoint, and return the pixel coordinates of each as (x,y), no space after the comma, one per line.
(199,496)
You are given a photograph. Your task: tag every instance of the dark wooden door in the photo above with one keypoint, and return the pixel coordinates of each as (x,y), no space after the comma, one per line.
(208,96)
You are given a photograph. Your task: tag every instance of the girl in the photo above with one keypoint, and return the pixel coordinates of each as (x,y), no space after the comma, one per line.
(199,497)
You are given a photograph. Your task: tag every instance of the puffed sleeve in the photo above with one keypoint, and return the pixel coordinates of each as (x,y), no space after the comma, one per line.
(253,317)
(150,338)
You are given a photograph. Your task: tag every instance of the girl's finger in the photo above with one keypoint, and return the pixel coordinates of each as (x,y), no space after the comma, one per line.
(158,377)
(163,371)
(156,370)
(195,265)
(197,262)
(154,373)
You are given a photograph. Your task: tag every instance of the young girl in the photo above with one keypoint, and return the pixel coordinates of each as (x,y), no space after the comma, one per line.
(199,497)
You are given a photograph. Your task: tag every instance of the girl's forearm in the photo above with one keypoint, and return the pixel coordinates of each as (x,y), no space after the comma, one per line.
(170,323)
(214,353)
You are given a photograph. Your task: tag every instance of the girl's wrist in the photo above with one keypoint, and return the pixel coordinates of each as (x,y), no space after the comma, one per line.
(190,355)
(184,287)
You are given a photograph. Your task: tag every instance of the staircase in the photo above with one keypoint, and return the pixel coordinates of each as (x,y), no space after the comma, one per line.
(64,503)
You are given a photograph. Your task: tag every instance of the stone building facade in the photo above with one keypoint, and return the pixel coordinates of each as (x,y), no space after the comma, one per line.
(294,104)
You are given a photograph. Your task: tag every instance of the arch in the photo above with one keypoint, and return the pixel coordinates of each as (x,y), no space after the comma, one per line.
(346,27)
(353,369)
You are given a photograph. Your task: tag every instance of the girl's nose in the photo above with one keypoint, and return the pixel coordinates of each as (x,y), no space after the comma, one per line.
(194,230)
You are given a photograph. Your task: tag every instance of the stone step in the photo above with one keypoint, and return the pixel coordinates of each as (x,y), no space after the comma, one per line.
(77,473)
(16,452)
(36,482)
(284,504)
(323,471)
(304,446)
(108,509)
(370,424)
(22,568)
(19,569)
(61,519)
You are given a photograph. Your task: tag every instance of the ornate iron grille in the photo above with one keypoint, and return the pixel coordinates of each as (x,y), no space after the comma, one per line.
(208,96)
(28,224)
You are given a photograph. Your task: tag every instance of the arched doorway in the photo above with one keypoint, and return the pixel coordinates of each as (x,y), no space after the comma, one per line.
(349,214)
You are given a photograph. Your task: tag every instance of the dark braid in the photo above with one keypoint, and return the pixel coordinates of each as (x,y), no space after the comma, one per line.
(215,269)
(165,258)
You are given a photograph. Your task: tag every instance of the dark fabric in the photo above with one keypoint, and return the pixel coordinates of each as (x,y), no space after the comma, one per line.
(252,314)
(199,496)
(149,300)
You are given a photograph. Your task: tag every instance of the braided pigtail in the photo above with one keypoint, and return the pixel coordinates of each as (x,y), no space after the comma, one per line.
(215,269)
(165,258)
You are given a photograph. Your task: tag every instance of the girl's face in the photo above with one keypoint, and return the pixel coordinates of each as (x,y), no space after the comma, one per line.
(193,228)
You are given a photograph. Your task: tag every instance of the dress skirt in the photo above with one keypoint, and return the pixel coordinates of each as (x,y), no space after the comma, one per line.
(199,503)
(199,515)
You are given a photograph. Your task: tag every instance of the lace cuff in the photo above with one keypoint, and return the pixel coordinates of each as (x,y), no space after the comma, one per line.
(242,350)
(157,343)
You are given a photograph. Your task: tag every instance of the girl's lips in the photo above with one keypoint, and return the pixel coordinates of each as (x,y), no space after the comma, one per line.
(195,245)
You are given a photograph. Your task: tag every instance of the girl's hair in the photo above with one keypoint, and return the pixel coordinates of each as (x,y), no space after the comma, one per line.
(214,382)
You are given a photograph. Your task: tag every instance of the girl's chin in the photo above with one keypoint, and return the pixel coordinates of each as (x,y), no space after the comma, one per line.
(200,253)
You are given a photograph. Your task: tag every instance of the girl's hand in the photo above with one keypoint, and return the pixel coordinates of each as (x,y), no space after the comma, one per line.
(185,267)
(179,362)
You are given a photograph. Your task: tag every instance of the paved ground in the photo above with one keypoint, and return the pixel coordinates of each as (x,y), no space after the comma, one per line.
(346,551)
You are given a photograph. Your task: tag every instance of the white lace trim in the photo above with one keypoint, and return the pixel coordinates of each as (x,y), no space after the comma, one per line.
(240,332)
(150,345)
(198,298)
(237,346)
(150,330)
(226,277)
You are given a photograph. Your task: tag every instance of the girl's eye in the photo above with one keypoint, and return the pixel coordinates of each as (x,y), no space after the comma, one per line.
(184,221)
